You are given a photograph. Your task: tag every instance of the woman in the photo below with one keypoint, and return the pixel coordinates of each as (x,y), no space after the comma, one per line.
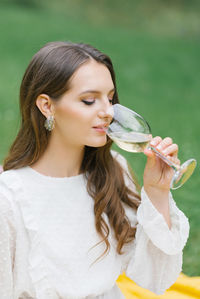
(71,219)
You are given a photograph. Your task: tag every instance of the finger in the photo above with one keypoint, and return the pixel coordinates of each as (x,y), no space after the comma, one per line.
(164,143)
(175,160)
(155,141)
(149,153)
(151,158)
(170,150)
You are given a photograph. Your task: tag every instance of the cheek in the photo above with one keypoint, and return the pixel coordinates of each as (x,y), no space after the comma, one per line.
(73,117)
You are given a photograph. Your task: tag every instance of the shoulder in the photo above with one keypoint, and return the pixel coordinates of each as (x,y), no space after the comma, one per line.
(10,186)
(6,210)
(8,180)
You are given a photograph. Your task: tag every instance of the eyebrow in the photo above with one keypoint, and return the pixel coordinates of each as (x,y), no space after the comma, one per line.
(94,91)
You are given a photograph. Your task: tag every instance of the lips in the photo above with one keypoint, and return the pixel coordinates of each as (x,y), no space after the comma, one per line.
(101,128)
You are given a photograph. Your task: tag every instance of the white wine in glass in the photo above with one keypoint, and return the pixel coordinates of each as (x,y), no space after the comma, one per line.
(131,132)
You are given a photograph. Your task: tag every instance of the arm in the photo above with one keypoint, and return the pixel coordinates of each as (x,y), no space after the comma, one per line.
(158,175)
(154,260)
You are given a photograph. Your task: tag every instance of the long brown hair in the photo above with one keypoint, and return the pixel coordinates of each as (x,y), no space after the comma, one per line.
(49,72)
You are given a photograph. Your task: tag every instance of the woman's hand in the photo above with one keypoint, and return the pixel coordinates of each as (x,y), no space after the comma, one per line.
(158,174)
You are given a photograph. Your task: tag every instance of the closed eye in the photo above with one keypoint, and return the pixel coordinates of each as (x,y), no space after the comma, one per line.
(92,102)
(88,102)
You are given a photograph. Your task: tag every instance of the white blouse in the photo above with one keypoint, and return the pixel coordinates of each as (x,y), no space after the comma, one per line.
(47,234)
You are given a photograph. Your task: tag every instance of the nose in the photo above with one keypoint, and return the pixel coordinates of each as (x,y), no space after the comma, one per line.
(106,112)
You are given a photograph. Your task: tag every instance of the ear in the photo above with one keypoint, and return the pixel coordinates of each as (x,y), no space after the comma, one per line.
(45,105)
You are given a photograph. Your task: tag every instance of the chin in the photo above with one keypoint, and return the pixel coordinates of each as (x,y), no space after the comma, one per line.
(98,143)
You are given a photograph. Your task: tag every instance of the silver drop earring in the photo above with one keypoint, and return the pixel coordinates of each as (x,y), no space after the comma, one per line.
(49,123)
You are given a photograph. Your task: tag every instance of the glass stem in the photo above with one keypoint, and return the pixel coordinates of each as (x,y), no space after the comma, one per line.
(167,161)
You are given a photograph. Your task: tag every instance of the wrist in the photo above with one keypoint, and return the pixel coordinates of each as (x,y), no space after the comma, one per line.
(160,200)
(156,194)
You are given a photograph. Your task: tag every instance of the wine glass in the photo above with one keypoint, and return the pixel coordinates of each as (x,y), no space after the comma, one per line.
(131,132)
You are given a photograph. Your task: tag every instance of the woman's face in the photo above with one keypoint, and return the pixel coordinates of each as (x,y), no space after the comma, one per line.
(85,108)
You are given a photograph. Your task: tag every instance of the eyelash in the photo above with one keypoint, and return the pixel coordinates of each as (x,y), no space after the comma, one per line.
(88,102)
(92,102)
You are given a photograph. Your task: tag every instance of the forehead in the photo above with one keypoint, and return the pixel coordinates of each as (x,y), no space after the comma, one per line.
(91,74)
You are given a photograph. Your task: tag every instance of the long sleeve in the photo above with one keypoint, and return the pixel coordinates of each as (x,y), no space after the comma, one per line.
(155,260)
(7,245)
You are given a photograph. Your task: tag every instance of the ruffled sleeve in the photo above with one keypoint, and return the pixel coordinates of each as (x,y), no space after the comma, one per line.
(155,259)
(7,246)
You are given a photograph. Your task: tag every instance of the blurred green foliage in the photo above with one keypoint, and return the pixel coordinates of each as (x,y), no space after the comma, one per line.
(155,48)
(159,16)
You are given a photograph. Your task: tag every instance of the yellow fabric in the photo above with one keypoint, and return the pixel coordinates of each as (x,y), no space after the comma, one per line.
(184,288)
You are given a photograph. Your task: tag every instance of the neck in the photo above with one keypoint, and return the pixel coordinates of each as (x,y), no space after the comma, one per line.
(60,160)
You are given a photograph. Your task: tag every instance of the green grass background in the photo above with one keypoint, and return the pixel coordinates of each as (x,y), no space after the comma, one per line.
(155,48)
